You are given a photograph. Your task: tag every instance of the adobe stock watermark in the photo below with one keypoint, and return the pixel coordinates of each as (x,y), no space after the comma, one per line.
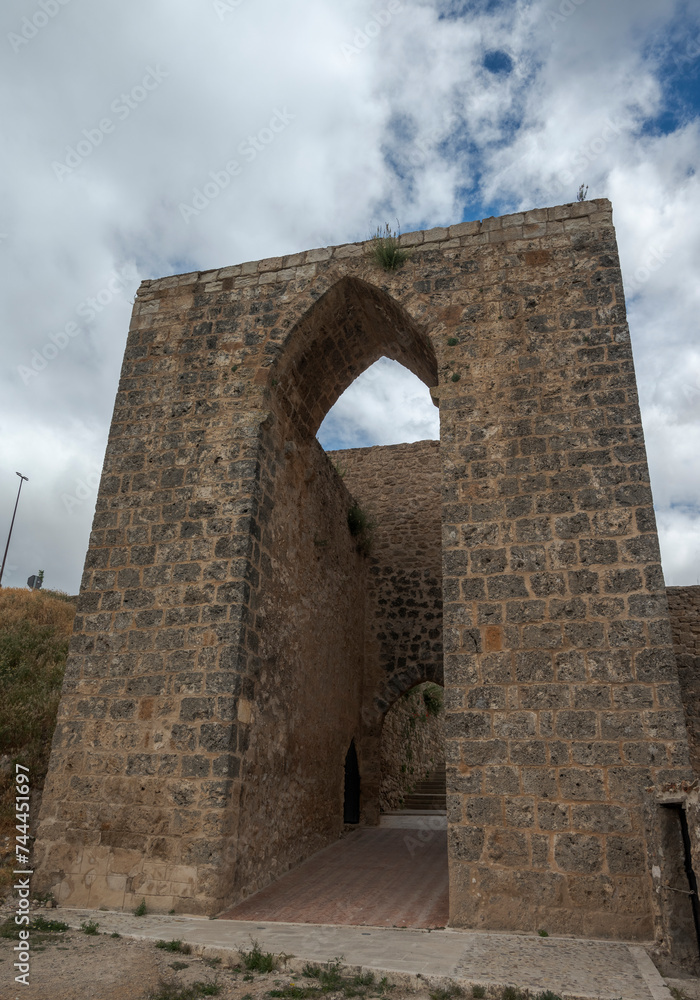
(249,150)
(84,490)
(565,9)
(88,310)
(376,24)
(225,7)
(122,107)
(654,259)
(31,26)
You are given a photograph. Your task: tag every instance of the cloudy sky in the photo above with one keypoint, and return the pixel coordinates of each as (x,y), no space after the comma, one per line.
(116,114)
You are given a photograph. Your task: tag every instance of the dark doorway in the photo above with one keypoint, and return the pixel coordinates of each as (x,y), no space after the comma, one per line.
(680,885)
(351,804)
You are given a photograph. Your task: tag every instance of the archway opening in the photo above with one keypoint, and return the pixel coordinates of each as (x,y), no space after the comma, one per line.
(412,754)
(386,405)
(334,625)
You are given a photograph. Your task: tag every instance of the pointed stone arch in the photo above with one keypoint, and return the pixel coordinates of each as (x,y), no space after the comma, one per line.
(352,325)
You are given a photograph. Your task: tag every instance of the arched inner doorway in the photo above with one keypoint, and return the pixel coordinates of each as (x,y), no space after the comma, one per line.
(351,792)
(413,755)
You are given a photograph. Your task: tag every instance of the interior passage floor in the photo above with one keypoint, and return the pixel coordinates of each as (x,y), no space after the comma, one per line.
(377,877)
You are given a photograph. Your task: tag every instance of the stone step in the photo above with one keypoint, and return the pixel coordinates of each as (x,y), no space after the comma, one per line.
(414,819)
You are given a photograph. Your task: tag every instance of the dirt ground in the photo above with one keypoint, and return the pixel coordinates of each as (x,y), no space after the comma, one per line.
(71,965)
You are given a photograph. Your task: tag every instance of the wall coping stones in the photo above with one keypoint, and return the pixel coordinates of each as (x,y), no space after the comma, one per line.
(527,225)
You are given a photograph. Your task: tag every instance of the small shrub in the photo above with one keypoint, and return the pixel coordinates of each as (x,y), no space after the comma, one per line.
(211,962)
(140,910)
(386,251)
(543,933)
(172,991)
(294,992)
(547,995)
(115,934)
(511,993)
(432,699)
(582,193)
(448,993)
(89,927)
(452,341)
(456,377)
(184,949)
(179,966)
(361,528)
(478,992)
(51,926)
(257,960)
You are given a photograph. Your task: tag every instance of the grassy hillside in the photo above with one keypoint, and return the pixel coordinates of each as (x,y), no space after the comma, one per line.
(35,627)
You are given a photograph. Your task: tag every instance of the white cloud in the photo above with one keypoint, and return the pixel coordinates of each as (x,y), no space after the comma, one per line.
(387,404)
(412,126)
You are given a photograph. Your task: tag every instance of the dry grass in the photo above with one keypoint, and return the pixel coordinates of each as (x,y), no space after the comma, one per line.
(42,608)
(35,627)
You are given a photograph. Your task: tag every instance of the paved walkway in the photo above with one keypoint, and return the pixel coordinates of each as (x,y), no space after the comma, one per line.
(385,878)
(571,967)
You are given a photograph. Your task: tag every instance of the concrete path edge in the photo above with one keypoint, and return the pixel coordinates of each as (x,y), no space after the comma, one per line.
(409,957)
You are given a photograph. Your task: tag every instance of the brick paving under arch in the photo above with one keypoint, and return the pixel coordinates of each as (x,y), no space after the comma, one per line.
(379,878)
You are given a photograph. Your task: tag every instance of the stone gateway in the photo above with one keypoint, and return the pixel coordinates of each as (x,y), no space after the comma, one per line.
(238,632)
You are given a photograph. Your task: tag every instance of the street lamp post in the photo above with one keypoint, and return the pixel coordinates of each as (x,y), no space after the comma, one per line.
(22,479)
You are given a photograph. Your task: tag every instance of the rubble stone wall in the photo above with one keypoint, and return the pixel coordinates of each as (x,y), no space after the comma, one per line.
(684,610)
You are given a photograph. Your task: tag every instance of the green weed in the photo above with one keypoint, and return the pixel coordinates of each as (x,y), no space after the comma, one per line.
(172,991)
(50,926)
(257,960)
(447,993)
(386,251)
(140,910)
(175,945)
(361,527)
(89,927)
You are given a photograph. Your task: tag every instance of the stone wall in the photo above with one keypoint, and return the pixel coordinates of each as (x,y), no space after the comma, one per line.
(561,687)
(308,607)
(413,744)
(684,611)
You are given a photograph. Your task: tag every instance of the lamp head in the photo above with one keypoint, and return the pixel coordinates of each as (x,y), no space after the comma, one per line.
(26,478)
